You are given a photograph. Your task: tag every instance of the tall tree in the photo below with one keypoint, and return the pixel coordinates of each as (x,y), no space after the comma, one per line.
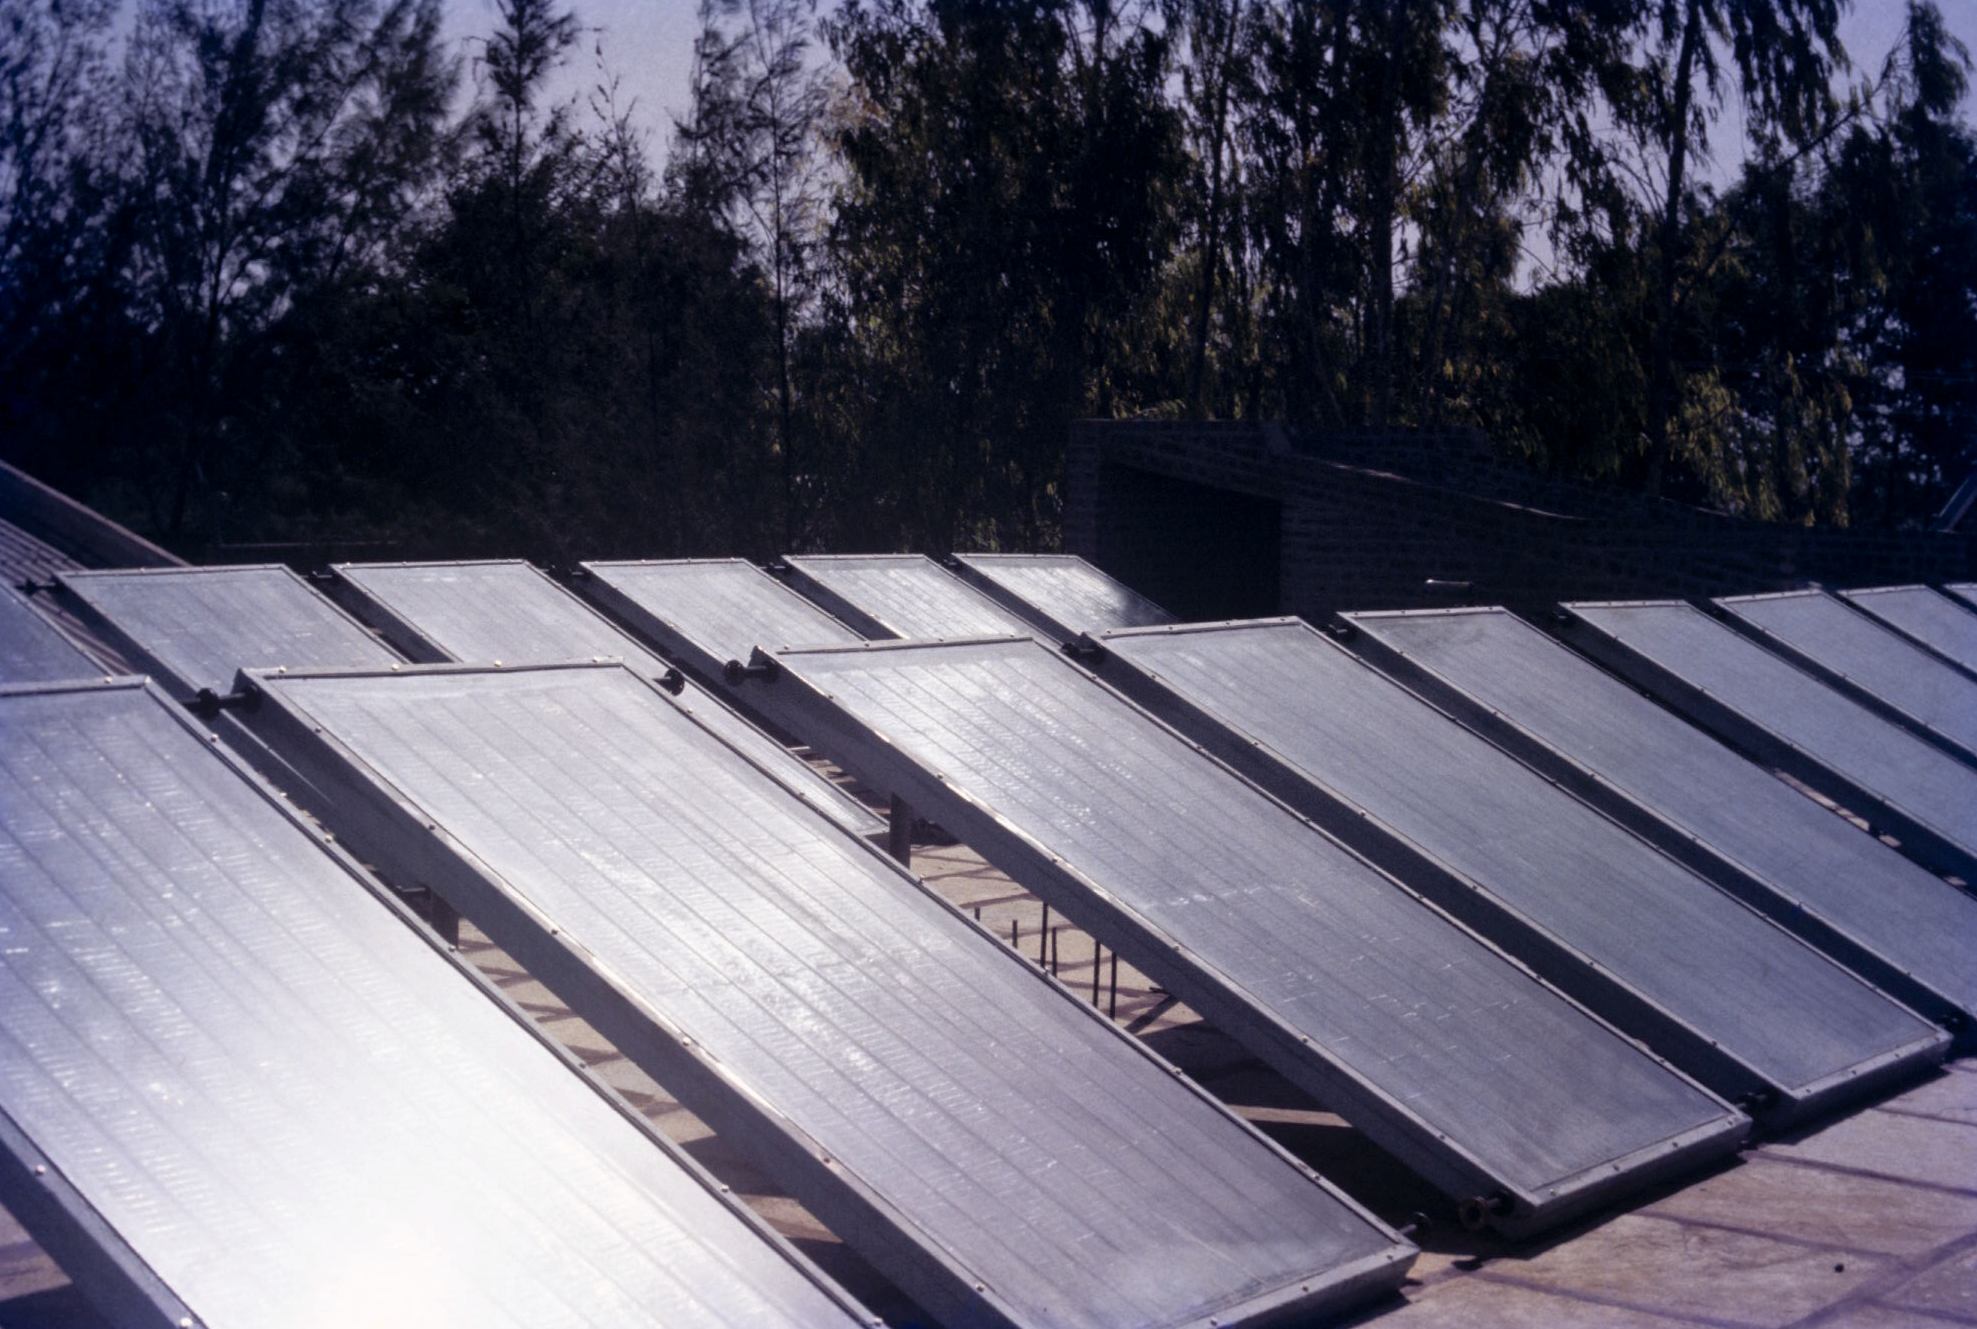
(1779,57)
(1899,197)
(749,154)
(1006,202)
(277,144)
(63,235)
(1209,71)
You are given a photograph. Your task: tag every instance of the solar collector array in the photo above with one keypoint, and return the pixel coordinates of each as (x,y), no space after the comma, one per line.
(900,595)
(1062,594)
(508,612)
(193,629)
(33,649)
(1479,1075)
(1921,692)
(707,612)
(1002,1151)
(1904,927)
(1940,622)
(1723,992)
(238,1088)
(1765,705)
(196,628)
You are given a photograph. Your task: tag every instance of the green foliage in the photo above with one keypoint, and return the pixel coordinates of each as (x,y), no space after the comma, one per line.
(1008,173)
(263,280)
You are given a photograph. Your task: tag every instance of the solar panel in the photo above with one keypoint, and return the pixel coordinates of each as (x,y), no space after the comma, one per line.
(1965,591)
(34,650)
(706,612)
(1872,663)
(1460,1062)
(509,613)
(1788,719)
(900,595)
(1060,593)
(1002,1150)
(194,628)
(1722,992)
(1934,619)
(1902,927)
(238,1091)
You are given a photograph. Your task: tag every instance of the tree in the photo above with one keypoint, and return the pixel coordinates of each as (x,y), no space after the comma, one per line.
(1783,55)
(1209,29)
(62,232)
(1899,196)
(277,146)
(748,156)
(1006,205)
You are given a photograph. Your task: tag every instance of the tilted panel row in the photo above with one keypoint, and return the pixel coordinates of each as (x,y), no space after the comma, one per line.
(906,596)
(1481,1076)
(1722,991)
(33,649)
(1875,664)
(1061,594)
(509,613)
(1939,621)
(708,612)
(238,1090)
(1901,926)
(1000,1149)
(1781,715)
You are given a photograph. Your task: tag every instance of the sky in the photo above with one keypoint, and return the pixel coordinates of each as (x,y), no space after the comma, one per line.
(648,44)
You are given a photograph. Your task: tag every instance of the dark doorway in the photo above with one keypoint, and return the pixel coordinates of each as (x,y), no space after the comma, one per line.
(1202,552)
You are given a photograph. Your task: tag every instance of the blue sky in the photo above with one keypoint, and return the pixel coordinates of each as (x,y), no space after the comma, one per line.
(649,45)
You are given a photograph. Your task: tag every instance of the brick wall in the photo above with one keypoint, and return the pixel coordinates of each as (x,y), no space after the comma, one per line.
(1182,511)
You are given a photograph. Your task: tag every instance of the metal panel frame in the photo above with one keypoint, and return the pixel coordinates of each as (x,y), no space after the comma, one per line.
(1724,609)
(394,829)
(403,637)
(182,689)
(1564,966)
(108,1271)
(87,1248)
(858,619)
(267,763)
(974,570)
(89,665)
(1774,899)
(1927,847)
(692,655)
(418,648)
(1442,1162)
(1860,599)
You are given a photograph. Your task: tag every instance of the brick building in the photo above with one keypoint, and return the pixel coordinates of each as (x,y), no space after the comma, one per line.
(1232,520)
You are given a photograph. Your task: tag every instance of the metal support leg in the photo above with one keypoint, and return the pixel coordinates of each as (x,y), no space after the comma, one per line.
(445,919)
(899,831)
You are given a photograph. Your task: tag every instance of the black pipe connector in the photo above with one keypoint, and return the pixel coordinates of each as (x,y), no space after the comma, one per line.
(207,703)
(1476,1212)
(759,666)
(1084,650)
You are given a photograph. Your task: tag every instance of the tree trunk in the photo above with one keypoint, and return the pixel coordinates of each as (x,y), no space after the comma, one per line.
(1661,382)
(787,411)
(1383,168)
(1211,235)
